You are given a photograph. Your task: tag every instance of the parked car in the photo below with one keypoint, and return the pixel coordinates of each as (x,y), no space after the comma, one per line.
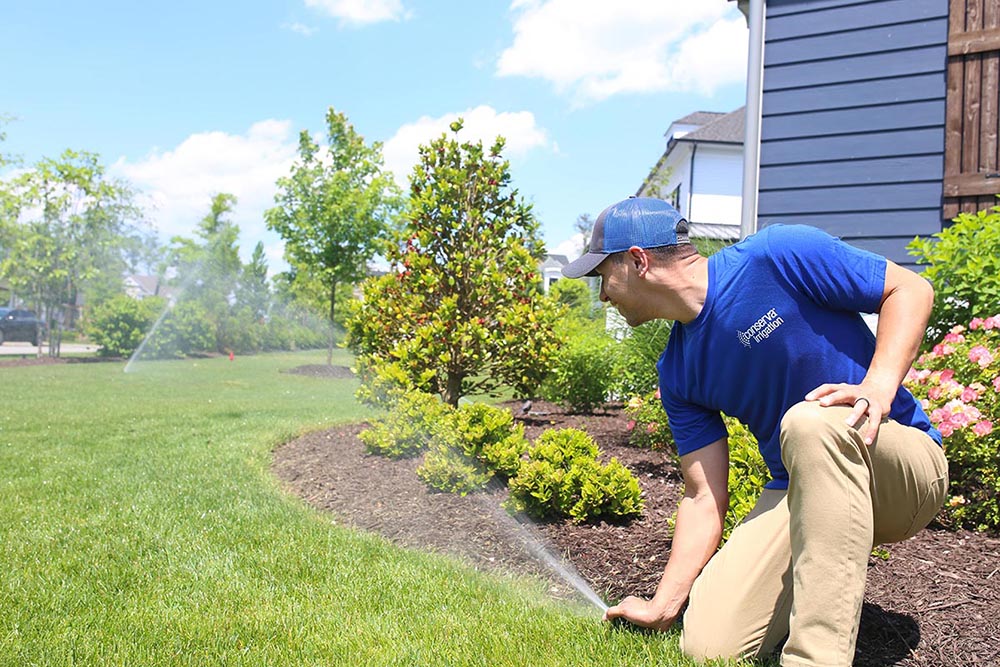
(20,325)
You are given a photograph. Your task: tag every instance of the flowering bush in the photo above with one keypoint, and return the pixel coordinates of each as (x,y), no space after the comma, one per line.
(647,424)
(958,384)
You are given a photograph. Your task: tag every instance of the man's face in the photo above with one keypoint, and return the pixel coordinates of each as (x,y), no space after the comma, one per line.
(615,280)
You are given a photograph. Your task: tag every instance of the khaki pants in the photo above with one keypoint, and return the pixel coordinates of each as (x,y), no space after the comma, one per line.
(796,565)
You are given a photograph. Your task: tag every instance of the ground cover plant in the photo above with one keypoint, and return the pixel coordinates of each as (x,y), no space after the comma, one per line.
(140,525)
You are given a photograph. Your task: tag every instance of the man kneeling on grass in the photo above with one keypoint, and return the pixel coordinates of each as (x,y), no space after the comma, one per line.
(769,331)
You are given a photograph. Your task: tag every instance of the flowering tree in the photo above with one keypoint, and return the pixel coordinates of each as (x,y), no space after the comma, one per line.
(958,384)
(461,310)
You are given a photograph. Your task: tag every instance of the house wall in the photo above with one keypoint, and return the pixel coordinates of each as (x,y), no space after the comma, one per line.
(852,127)
(677,166)
(718,184)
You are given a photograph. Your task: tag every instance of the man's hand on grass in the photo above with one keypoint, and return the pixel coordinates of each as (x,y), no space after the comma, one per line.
(642,613)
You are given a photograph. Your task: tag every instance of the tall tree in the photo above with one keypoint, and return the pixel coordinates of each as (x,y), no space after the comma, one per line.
(64,224)
(254,291)
(461,311)
(333,209)
(208,268)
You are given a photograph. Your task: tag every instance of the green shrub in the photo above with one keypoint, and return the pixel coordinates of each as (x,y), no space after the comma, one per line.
(963,264)
(184,330)
(634,368)
(478,442)
(581,377)
(119,325)
(747,474)
(563,478)
(747,471)
(382,383)
(445,468)
(409,427)
(958,383)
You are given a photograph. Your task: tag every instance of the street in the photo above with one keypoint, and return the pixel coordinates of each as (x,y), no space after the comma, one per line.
(27,349)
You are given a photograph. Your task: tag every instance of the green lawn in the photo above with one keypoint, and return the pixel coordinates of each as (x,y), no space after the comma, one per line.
(139,525)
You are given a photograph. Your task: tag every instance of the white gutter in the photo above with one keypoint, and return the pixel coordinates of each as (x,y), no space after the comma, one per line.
(751,138)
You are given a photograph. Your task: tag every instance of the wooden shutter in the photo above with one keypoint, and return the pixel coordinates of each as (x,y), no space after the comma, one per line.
(972,163)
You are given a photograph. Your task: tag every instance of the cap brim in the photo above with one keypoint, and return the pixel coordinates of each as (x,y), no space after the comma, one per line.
(584,266)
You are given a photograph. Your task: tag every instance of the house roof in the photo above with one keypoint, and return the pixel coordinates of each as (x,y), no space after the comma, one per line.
(699,118)
(724,129)
(554,262)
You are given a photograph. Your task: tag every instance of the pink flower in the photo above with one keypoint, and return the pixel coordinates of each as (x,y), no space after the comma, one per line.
(934,393)
(947,374)
(996,384)
(990,323)
(969,395)
(631,425)
(656,394)
(957,329)
(983,428)
(981,356)
(976,323)
(942,350)
(651,428)
(939,415)
(972,413)
(946,429)
(925,404)
(954,338)
(960,420)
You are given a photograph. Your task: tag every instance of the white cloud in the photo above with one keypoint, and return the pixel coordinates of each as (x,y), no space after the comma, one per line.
(178,184)
(594,49)
(300,28)
(361,12)
(570,248)
(482,123)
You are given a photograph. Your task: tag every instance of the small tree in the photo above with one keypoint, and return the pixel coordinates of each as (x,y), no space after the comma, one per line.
(461,309)
(63,223)
(333,209)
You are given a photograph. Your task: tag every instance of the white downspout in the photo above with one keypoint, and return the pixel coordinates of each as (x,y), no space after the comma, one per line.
(751,137)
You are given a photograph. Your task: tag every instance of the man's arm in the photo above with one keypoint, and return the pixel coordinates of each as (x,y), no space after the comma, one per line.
(906,305)
(697,533)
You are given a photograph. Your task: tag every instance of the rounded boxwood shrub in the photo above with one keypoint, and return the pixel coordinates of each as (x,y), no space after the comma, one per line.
(563,478)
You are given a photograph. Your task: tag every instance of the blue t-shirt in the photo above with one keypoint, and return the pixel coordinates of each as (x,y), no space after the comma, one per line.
(781,317)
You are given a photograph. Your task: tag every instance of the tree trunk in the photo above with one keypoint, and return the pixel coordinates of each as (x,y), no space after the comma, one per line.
(453,391)
(333,307)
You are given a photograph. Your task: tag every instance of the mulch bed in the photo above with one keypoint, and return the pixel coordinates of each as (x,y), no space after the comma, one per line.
(934,601)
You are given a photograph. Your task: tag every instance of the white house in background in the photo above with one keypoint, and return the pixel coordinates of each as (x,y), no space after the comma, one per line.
(551,269)
(142,287)
(701,172)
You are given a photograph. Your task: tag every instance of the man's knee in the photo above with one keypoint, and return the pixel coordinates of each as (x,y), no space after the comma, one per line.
(812,425)
(706,636)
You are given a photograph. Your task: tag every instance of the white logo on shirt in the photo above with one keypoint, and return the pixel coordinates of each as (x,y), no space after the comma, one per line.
(761,329)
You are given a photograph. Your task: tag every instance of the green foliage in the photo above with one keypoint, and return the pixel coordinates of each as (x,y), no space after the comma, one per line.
(408,428)
(186,329)
(460,309)
(334,208)
(747,471)
(648,427)
(958,382)
(636,356)
(382,383)
(479,441)
(118,325)
(63,225)
(582,376)
(563,478)
(963,264)
(747,474)
(578,298)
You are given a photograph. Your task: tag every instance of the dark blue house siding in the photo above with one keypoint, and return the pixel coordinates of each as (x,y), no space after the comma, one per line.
(852,126)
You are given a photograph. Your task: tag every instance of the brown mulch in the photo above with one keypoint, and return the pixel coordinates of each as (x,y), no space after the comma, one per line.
(934,601)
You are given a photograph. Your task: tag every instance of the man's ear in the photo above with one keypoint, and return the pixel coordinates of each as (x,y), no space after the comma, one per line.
(639,259)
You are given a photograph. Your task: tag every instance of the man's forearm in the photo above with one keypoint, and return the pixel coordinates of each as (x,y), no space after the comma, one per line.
(696,535)
(902,322)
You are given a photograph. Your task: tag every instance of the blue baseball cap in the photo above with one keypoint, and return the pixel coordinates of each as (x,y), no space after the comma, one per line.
(644,222)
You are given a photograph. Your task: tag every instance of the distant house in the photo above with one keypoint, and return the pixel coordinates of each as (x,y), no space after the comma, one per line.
(551,270)
(879,120)
(142,287)
(701,172)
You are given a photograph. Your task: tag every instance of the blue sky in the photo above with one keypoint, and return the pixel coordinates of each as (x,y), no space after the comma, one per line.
(186,99)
